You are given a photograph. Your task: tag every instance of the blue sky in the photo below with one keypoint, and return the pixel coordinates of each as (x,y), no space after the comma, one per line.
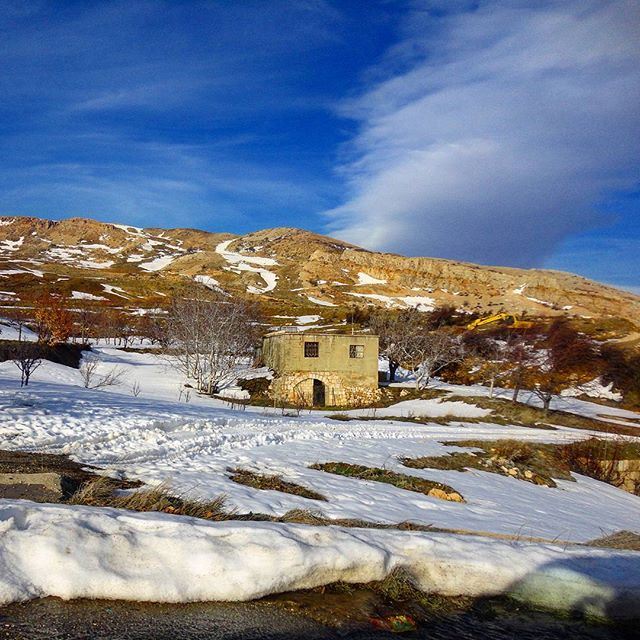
(499,131)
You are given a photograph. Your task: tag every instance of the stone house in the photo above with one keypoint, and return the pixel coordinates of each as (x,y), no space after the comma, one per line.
(322,369)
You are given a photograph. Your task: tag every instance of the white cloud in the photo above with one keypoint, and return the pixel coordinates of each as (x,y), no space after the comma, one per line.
(505,128)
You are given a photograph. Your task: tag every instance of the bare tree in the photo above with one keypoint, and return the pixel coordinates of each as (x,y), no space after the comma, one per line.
(433,351)
(93,380)
(563,358)
(26,356)
(85,321)
(114,325)
(487,357)
(152,327)
(519,356)
(209,336)
(19,318)
(397,332)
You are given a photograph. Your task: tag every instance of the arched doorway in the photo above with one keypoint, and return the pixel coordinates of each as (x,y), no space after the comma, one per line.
(318,393)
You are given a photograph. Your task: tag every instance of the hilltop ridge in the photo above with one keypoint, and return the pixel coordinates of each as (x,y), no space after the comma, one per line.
(289,271)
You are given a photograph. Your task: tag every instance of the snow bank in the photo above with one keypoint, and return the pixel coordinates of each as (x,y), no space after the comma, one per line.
(322,303)
(83,552)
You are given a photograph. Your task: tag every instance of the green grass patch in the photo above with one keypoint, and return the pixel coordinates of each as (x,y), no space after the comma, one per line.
(272,483)
(399,480)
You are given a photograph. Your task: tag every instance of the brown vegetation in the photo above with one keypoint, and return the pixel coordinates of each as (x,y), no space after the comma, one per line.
(510,458)
(272,483)
(54,321)
(103,492)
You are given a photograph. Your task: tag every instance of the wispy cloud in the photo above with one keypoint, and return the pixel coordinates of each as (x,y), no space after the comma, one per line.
(160,112)
(496,129)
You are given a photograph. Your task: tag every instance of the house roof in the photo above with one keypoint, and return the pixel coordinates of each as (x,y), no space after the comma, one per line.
(309,334)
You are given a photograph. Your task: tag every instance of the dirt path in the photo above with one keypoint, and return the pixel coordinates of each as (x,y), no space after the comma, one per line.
(287,619)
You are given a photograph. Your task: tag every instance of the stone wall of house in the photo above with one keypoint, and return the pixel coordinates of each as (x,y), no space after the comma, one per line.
(297,388)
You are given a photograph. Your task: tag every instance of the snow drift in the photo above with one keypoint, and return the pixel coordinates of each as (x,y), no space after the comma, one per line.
(74,552)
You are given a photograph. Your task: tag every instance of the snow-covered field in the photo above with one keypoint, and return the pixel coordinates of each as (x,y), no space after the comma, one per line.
(157,438)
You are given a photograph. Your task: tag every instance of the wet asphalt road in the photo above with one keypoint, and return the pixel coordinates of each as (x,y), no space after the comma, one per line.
(54,619)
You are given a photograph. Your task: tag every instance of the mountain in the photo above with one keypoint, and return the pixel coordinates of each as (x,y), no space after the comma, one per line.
(290,272)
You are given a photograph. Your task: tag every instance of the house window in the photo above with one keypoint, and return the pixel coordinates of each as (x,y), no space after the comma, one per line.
(356,351)
(311,350)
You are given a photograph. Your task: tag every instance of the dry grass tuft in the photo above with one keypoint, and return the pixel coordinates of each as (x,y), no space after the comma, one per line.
(101,492)
(272,483)
(514,450)
(619,540)
(305,516)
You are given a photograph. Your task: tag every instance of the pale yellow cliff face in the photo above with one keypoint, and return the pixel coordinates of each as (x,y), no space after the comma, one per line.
(79,254)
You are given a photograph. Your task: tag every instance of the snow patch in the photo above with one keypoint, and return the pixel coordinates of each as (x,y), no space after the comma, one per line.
(158,263)
(11,272)
(115,291)
(594,389)
(92,264)
(11,245)
(421,303)
(134,231)
(207,281)
(81,295)
(240,263)
(322,303)
(365,278)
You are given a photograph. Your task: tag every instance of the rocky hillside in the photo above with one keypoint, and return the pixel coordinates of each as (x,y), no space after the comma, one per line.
(291,272)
